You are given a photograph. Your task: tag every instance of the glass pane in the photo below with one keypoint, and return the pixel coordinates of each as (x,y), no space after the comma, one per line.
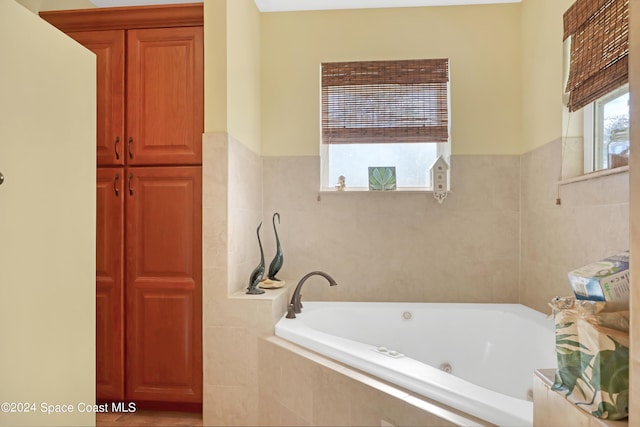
(612,130)
(411,160)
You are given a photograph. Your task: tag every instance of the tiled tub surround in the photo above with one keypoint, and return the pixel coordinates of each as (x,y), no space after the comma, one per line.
(396,246)
(455,354)
(232,322)
(591,223)
(382,247)
(298,387)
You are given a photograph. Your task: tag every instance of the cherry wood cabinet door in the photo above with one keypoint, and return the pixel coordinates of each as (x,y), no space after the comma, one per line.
(109,289)
(165,96)
(110,66)
(164,284)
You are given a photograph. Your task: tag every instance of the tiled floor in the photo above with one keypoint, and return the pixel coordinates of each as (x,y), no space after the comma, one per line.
(149,418)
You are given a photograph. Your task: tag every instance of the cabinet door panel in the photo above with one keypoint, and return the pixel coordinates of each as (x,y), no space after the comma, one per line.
(165,90)
(109,290)
(109,49)
(164,284)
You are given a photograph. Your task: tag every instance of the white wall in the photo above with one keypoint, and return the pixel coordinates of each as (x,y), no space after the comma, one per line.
(47,220)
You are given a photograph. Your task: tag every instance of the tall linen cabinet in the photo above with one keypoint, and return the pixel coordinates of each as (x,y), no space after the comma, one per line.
(149,199)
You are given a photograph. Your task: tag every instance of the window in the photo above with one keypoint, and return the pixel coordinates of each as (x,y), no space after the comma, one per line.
(607,131)
(384,114)
(598,76)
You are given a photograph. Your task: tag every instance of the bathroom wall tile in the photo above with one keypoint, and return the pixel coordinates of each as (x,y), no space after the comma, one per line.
(331,399)
(429,413)
(540,283)
(484,183)
(293,418)
(245,172)
(270,410)
(591,222)
(230,406)
(214,237)
(410,415)
(232,360)
(399,246)
(297,385)
(605,190)
(269,370)
(540,173)
(371,412)
(541,409)
(214,169)
(214,284)
(343,396)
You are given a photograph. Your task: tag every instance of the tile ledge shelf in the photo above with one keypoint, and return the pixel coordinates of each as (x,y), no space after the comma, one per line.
(547,376)
(270,294)
(594,175)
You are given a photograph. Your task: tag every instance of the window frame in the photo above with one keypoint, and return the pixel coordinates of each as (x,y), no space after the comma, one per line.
(442,148)
(592,126)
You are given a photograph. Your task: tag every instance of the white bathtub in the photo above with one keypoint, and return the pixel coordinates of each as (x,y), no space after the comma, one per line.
(491,349)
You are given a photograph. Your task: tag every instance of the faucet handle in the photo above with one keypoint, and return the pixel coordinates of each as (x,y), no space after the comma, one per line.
(291,312)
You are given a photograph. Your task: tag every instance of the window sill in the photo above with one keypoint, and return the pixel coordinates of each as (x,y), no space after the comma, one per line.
(594,175)
(366,190)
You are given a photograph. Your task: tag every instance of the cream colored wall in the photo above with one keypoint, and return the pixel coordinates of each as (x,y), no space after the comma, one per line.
(232,70)
(47,220)
(482,42)
(215,66)
(243,73)
(542,71)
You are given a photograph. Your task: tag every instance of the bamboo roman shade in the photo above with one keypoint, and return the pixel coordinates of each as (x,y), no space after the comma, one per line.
(385,101)
(599,31)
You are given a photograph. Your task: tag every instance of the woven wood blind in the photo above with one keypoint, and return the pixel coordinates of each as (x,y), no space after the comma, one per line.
(385,101)
(599,31)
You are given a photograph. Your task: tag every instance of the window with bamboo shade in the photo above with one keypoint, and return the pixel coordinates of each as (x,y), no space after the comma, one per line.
(598,32)
(599,57)
(391,113)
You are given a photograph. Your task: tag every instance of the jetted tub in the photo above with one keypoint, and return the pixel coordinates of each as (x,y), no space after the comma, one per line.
(477,358)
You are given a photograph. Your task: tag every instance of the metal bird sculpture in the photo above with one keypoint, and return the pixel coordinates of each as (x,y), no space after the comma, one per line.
(278,259)
(258,272)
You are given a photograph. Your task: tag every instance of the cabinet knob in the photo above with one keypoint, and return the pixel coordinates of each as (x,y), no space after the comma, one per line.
(130,148)
(1,178)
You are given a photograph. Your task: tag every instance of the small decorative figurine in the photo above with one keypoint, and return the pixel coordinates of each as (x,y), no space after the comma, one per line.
(439,179)
(278,259)
(342,183)
(258,272)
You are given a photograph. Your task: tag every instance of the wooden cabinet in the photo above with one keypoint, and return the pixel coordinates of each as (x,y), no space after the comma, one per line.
(109,284)
(109,48)
(165,96)
(150,119)
(164,295)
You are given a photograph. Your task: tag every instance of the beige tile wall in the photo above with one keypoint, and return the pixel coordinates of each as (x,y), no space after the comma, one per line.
(592,222)
(498,237)
(397,246)
(232,322)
